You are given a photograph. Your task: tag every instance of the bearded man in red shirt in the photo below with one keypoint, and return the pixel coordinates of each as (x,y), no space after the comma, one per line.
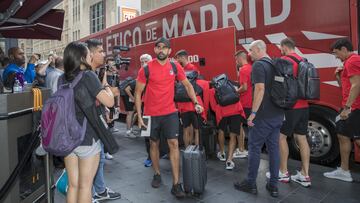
(159,76)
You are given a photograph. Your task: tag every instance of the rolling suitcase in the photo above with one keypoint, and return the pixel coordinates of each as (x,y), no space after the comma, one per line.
(194,168)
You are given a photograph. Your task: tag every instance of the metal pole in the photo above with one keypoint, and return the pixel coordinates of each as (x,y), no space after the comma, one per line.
(48,183)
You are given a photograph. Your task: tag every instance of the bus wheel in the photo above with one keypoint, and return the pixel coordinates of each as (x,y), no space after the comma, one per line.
(322,139)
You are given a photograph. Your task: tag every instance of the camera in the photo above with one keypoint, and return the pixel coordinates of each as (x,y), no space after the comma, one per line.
(121,61)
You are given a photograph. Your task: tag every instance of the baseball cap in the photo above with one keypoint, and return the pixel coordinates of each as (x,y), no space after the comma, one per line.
(164,41)
(181,52)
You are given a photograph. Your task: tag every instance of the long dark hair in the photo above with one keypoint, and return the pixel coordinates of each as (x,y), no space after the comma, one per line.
(75,55)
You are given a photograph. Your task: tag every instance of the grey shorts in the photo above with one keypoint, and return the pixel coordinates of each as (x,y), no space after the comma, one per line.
(84,152)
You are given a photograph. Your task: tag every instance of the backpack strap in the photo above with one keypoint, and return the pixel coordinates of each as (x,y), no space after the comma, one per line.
(77,79)
(294,58)
(173,65)
(62,81)
(147,74)
(267,60)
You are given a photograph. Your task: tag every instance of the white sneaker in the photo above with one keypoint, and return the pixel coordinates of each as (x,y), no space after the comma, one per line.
(301,179)
(283,177)
(108,156)
(129,134)
(339,174)
(221,156)
(114,130)
(230,165)
(240,154)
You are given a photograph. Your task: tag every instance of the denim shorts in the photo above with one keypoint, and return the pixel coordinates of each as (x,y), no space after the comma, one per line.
(84,152)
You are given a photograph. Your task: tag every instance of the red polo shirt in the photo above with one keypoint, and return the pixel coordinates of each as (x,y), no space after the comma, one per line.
(351,68)
(225,111)
(159,94)
(191,67)
(245,78)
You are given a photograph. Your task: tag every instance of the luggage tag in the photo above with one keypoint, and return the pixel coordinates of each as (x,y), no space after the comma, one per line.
(145,132)
(279,79)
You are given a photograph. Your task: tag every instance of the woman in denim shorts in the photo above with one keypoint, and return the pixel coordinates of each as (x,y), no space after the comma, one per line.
(82,163)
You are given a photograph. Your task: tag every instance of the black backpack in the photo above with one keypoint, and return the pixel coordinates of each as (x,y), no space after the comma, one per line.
(225,92)
(308,79)
(181,94)
(123,84)
(284,86)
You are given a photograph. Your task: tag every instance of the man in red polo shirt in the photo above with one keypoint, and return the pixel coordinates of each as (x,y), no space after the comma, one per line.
(245,91)
(347,126)
(189,117)
(182,57)
(159,104)
(296,123)
(227,117)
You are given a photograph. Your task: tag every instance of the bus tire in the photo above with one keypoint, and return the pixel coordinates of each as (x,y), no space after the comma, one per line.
(322,138)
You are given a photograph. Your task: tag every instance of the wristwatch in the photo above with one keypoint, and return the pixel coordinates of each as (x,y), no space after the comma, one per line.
(346,107)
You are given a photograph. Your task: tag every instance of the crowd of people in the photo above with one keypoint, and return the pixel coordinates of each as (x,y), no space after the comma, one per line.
(152,93)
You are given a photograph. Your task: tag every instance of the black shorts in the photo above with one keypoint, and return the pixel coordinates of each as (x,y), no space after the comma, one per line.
(296,121)
(350,127)
(129,106)
(165,126)
(189,118)
(232,123)
(247,112)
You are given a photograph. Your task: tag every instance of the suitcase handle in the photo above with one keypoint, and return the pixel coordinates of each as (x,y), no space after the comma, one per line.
(200,137)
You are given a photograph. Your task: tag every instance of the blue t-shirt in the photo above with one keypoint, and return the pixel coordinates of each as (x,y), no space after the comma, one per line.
(28,74)
(262,73)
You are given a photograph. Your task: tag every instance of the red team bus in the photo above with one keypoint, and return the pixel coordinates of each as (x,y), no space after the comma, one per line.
(212,30)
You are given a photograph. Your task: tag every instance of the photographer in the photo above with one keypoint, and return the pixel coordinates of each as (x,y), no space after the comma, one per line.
(113,80)
(41,67)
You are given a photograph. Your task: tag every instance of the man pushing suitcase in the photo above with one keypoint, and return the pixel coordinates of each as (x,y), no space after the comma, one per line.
(159,78)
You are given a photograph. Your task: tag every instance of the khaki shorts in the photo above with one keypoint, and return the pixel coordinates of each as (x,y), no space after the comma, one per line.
(84,152)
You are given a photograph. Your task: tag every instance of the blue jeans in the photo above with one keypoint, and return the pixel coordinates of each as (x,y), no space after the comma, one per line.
(265,131)
(99,181)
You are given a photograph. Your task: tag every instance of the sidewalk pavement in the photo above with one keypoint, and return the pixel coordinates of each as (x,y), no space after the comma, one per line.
(126,174)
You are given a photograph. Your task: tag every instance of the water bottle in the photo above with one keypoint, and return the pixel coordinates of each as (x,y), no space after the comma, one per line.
(17,86)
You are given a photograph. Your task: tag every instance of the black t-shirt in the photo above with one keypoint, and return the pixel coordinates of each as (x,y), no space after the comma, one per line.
(85,96)
(262,73)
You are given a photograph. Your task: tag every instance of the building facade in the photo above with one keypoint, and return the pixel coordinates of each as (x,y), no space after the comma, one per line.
(149,5)
(82,18)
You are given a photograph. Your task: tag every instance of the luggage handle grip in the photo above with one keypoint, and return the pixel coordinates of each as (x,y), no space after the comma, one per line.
(198,115)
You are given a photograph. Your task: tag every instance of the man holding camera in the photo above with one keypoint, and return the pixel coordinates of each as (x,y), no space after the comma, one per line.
(113,80)
(101,192)
(159,78)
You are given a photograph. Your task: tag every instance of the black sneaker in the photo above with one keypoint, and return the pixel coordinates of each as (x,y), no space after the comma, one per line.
(244,186)
(273,190)
(178,191)
(107,195)
(156,182)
